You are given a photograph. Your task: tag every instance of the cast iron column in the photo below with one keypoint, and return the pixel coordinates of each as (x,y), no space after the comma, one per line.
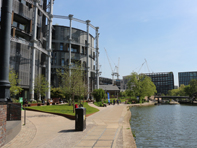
(70,40)
(49,50)
(34,42)
(88,75)
(97,58)
(6,15)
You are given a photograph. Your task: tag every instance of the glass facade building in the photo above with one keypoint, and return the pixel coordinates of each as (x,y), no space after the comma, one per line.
(186,77)
(105,81)
(163,81)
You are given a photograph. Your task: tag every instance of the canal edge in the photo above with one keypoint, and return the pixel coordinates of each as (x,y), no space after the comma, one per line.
(128,139)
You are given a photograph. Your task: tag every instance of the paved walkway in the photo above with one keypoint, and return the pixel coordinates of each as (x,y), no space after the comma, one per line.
(107,128)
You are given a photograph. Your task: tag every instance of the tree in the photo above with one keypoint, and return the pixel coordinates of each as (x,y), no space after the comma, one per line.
(14,81)
(41,85)
(182,90)
(57,92)
(71,84)
(140,85)
(188,91)
(173,92)
(98,94)
(193,86)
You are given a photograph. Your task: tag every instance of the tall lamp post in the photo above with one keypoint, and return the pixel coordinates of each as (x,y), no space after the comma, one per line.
(6,15)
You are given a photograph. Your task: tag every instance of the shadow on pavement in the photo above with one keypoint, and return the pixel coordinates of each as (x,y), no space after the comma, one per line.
(68,131)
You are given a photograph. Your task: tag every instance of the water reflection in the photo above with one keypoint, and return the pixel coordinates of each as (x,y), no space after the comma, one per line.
(165,126)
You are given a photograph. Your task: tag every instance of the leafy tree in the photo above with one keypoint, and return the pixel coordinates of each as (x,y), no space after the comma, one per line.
(98,94)
(193,86)
(14,81)
(188,91)
(41,85)
(71,84)
(173,92)
(140,85)
(184,90)
(57,93)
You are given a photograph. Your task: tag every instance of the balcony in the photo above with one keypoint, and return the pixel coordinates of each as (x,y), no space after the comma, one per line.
(22,10)
(75,56)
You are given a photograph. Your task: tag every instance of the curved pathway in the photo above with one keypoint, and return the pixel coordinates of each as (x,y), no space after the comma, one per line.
(107,128)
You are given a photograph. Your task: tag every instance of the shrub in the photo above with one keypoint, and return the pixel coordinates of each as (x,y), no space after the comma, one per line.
(98,94)
(100,104)
(132,100)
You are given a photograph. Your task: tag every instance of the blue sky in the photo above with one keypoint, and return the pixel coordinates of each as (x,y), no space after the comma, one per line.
(164,32)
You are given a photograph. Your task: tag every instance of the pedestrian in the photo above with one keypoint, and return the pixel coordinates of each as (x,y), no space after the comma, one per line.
(114,102)
(43,101)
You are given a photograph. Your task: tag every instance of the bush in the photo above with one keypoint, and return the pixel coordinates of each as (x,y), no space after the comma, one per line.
(132,100)
(98,94)
(100,104)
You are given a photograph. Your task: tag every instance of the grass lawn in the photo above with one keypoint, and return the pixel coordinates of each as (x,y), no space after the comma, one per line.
(63,109)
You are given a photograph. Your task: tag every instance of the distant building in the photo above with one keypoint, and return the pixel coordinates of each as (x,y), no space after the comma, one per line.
(111,89)
(164,81)
(118,83)
(124,82)
(80,52)
(186,77)
(105,81)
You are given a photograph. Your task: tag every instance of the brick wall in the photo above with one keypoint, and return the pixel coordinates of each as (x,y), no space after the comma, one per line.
(13,111)
(3,115)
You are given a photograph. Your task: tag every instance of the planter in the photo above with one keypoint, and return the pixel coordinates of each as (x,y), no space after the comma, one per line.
(38,104)
(34,104)
(55,100)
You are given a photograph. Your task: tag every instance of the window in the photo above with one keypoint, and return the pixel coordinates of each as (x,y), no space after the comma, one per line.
(23,2)
(93,55)
(73,50)
(15,24)
(62,62)
(53,46)
(61,46)
(55,59)
(84,64)
(82,50)
(85,51)
(22,27)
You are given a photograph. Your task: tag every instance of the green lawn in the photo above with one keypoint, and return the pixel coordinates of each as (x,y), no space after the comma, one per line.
(63,109)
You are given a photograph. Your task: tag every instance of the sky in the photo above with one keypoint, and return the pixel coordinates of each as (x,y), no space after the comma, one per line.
(164,32)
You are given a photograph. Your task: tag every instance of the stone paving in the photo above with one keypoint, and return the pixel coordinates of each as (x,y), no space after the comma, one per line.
(106,128)
(25,137)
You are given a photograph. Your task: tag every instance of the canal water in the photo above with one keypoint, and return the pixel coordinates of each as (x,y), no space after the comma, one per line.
(165,126)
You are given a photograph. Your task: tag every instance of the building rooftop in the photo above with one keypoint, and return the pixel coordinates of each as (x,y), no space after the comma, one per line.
(109,87)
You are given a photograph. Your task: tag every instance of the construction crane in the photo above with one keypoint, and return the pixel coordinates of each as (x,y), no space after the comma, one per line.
(110,67)
(115,72)
(146,65)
